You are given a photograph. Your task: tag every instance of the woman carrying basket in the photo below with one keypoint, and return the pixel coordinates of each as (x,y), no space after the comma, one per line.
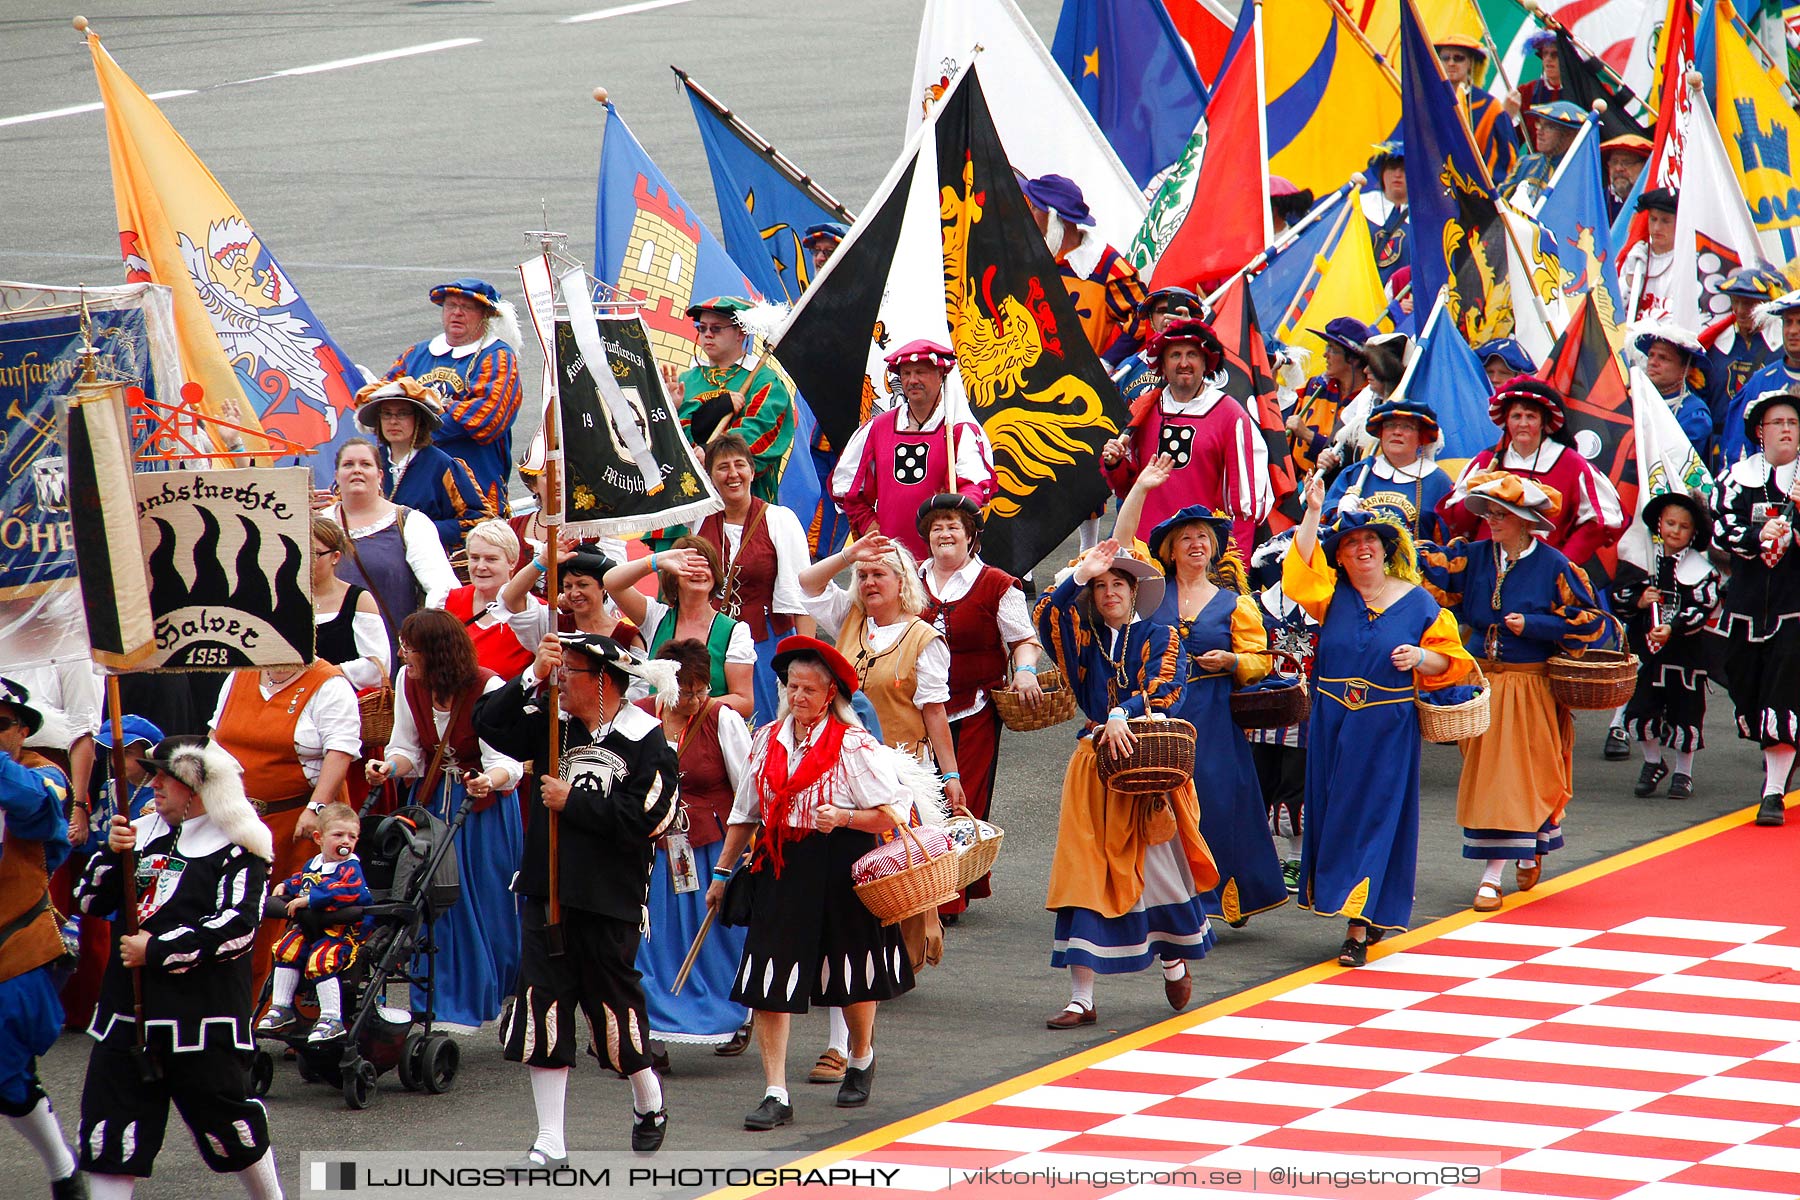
(1524,602)
(818,792)
(1381,636)
(1222,634)
(982,614)
(1126,880)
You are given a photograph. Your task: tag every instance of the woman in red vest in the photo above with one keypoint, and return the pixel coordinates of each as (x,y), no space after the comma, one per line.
(763,550)
(492,547)
(434,742)
(982,614)
(296,731)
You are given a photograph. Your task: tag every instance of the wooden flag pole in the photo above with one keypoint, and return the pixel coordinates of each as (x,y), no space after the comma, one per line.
(553,519)
(147,1068)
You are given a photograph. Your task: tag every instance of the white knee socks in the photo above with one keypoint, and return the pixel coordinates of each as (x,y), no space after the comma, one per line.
(840,1032)
(1684,763)
(1652,748)
(39,1128)
(1494,867)
(287,982)
(331,999)
(1081,986)
(111,1187)
(549,1086)
(260,1179)
(646,1092)
(1777,762)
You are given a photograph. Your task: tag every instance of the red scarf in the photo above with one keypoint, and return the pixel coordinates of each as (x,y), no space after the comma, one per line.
(778,787)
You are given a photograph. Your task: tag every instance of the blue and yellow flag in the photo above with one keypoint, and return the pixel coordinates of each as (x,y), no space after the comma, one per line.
(1328,98)
(248,337)
(1458,240)
(1760,131)
(764,210)
(1133,72)
(1575,211)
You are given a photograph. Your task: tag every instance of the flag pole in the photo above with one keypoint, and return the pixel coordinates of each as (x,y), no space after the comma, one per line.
(1262,123)
(1288,236)
(1362,39)
(1535,10)
(1761,51)
(766,149)
(1314,272)
(552,508)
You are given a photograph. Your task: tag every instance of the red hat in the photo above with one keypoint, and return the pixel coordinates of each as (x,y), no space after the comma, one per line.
(923,350)
(796,645)
(1532,390)
(1194,332)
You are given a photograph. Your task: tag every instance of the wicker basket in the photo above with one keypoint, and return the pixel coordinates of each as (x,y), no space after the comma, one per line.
(377,708)
(979,858)
(917,888)
(1599,679)
(1162,760)
(1273,708)
(1448,723)
(1057,706)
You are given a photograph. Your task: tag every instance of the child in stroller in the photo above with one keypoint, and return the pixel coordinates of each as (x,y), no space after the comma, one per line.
(332,881)
(411,876)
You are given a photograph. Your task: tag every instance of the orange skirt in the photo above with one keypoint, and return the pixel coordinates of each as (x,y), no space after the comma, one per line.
(1100,842)
(1520,773)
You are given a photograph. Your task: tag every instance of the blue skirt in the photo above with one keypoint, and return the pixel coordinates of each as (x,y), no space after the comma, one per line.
(703,1014)
(1167,922)
(478,936)
(767,693)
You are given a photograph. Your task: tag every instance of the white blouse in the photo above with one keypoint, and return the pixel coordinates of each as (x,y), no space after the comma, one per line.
(1014,618)
(864,777)
(932,672)
(371,643)
(405,738)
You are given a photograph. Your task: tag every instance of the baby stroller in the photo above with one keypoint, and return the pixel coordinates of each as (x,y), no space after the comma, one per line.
(412,873)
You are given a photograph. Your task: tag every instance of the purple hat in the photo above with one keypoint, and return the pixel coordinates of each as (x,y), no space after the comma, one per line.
(1060,193)
(478,290)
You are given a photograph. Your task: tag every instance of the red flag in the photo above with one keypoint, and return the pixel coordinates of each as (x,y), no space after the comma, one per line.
(1583,367)
(1671,118)
(1251,380)
(1228,223)
(1207,32)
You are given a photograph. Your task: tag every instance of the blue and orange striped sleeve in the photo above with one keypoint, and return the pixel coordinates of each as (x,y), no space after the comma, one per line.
(342,888)
(492,401)
(1162,673)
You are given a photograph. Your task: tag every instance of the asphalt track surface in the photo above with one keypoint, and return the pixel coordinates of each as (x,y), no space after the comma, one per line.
(371,183)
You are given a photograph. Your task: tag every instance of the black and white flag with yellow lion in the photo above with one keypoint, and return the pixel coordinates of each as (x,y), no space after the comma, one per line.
(948,250)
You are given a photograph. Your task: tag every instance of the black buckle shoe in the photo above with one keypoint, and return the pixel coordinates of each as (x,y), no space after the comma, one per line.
(854,1091)
(647,1130)
(537,1160)
(767,1115)
(1772,811)
(1353,954)
(1649,777)
(1618,745)
(1681,787)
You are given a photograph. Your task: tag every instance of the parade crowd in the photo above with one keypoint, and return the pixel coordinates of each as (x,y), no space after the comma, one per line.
(734,727)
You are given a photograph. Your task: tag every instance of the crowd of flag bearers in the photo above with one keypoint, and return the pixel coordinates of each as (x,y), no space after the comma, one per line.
(732,746)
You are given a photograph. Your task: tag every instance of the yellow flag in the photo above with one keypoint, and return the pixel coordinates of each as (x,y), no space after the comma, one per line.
(1327,99)
(1759,129)
(1349,286)
(247,336)
(1441,18)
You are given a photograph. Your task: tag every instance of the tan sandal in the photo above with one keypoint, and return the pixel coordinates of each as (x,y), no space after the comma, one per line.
(1487,897)
(829,1068)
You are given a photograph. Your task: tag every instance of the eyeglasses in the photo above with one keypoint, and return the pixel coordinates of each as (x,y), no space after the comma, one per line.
(7,723)
(1449,57)
(711,327)
(567,670)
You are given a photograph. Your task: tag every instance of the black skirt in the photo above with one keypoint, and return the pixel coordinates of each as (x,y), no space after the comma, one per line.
(810,940)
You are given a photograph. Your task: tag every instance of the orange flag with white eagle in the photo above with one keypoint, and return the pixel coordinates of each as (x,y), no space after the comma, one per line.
(247,336)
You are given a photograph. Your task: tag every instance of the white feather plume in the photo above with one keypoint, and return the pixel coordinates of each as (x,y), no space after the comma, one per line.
(660,674)
(506,324)
(763,321)
(923,785)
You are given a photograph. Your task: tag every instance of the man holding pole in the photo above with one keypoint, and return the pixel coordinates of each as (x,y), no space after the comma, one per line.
(34,842)
(905,456)
(730,389)
(610,793)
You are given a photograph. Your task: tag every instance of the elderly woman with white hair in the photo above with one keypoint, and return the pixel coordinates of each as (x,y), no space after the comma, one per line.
(492,548)
(818,792)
